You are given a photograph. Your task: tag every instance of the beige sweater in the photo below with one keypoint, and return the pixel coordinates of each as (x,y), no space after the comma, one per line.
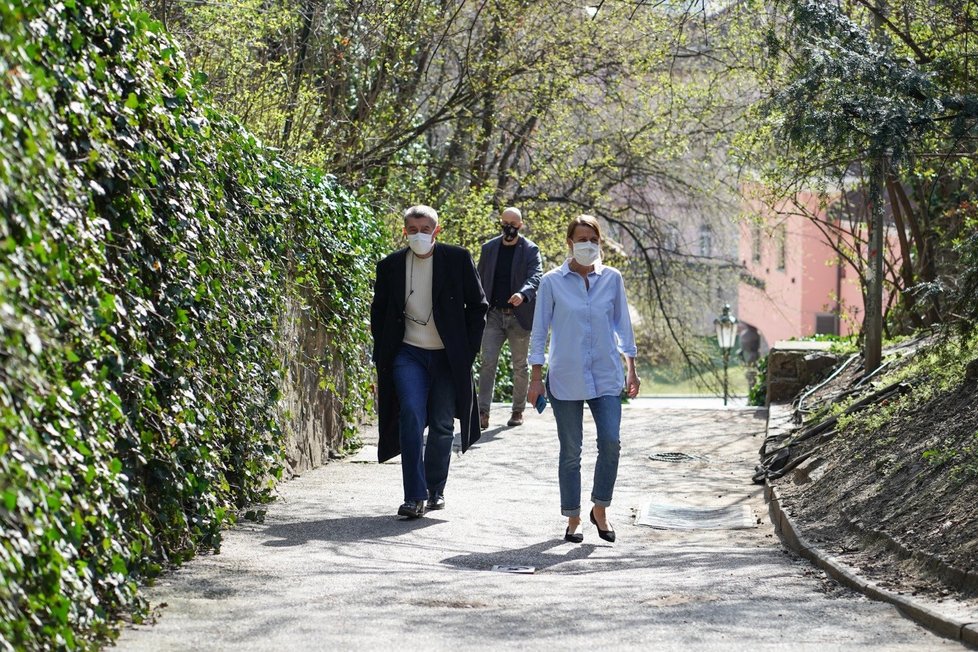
(417,304)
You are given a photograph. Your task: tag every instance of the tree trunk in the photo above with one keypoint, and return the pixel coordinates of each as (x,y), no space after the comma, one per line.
(873,324)
(300,64)
(906,260)
(488,118)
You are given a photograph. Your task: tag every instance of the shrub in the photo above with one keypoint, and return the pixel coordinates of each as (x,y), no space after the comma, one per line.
(147,246)
(758,392)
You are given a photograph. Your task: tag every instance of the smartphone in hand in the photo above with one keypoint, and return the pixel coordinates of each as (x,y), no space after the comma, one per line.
(541,403)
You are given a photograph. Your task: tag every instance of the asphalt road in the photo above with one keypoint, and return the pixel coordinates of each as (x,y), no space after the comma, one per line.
(332,567)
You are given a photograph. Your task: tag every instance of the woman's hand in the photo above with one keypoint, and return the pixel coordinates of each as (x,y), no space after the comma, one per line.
(632,383)
(534,390)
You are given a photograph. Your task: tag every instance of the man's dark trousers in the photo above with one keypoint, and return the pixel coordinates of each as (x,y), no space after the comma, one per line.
(426,391)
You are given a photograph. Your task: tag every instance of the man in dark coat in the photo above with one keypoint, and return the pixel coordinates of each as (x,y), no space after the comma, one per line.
(510,269)
(427,318)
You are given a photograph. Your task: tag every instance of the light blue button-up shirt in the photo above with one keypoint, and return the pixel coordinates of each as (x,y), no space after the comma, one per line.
(589,329)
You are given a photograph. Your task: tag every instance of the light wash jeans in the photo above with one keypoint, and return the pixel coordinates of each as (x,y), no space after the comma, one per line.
(500,327)
(569,416)
(426,394)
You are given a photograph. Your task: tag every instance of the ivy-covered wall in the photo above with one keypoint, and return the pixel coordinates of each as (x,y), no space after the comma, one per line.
(150,252)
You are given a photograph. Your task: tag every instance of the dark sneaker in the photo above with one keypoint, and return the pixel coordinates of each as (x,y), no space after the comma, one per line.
(516,419)
(437,501)
(483,420)
(411,509)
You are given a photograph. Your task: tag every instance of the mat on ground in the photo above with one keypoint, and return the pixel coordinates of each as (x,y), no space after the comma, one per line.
(666,516)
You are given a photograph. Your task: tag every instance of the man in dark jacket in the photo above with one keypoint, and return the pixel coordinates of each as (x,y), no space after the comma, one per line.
(427,318)
(510,269)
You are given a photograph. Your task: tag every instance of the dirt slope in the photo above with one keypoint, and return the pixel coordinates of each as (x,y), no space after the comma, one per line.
(893,484)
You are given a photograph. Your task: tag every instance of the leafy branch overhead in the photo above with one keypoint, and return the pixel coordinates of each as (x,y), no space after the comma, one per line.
(847,92)
(862,90)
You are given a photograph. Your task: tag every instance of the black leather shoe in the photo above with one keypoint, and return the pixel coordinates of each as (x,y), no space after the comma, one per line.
(607,535)
(436,501)
(577,537)
(411,509)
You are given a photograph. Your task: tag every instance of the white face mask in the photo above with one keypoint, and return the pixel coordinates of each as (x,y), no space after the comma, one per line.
(585,253)
(420,243)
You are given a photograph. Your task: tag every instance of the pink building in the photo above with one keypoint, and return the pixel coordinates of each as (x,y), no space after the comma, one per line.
(794,283)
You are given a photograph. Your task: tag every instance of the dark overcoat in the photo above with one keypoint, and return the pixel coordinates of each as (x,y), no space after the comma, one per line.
(459,309)
(525,277)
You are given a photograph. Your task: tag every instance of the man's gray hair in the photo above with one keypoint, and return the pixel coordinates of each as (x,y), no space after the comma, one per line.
(421,211)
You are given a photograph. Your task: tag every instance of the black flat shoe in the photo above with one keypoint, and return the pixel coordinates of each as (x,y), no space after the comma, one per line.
(577,537)
(411,509)
(436,501)
(607,535)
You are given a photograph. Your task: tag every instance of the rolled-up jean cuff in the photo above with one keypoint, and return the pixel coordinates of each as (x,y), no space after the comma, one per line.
(600,503)
(570,512)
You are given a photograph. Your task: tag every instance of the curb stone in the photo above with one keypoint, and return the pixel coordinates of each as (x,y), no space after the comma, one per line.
(957,578)
(786,529)
(970,634)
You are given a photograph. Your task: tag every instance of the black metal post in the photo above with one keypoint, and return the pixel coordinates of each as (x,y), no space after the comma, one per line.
(726,359)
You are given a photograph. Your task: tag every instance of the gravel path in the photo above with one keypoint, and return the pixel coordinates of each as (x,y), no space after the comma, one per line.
(332,568)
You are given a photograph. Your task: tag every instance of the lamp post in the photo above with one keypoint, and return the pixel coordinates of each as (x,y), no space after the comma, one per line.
(726,325)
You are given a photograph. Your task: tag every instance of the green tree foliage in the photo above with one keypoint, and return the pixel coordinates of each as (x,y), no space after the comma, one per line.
(626,110)
(441,98)
(557,108)
(865,81)
(148,245)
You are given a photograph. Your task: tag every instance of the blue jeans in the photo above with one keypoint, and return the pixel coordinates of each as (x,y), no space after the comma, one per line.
(569,415)
(426,394)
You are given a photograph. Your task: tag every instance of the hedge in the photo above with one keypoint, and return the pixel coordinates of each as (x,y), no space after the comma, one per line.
(148,246)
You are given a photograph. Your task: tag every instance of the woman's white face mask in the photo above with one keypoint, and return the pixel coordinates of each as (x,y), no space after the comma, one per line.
(585,253)
(420,243)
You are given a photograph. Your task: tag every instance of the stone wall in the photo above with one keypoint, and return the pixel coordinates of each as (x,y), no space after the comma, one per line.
(792,366)
(311,417)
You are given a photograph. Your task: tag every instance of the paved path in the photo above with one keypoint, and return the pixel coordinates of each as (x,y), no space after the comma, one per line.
(331,568)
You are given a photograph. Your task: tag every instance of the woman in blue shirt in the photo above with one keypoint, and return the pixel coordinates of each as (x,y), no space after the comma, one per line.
(582,307)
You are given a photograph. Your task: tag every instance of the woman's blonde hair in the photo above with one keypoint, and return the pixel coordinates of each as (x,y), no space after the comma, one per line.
(589,221)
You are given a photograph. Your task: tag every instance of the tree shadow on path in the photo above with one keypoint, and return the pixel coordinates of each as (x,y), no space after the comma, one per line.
(344,530)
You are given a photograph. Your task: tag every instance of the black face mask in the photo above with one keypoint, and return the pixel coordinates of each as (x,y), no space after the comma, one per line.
(510,232)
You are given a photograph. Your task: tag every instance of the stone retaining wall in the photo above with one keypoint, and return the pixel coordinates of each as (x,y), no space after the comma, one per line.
(311,417)
(792,366)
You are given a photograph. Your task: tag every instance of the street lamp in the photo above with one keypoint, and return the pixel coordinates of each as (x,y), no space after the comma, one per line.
(726,325)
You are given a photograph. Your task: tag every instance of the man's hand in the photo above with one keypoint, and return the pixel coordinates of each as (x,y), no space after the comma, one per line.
(516,299)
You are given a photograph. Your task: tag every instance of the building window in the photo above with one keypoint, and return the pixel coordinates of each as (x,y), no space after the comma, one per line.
(782,247)
(671,237)
(706,240)
(826,323)
(756,235)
